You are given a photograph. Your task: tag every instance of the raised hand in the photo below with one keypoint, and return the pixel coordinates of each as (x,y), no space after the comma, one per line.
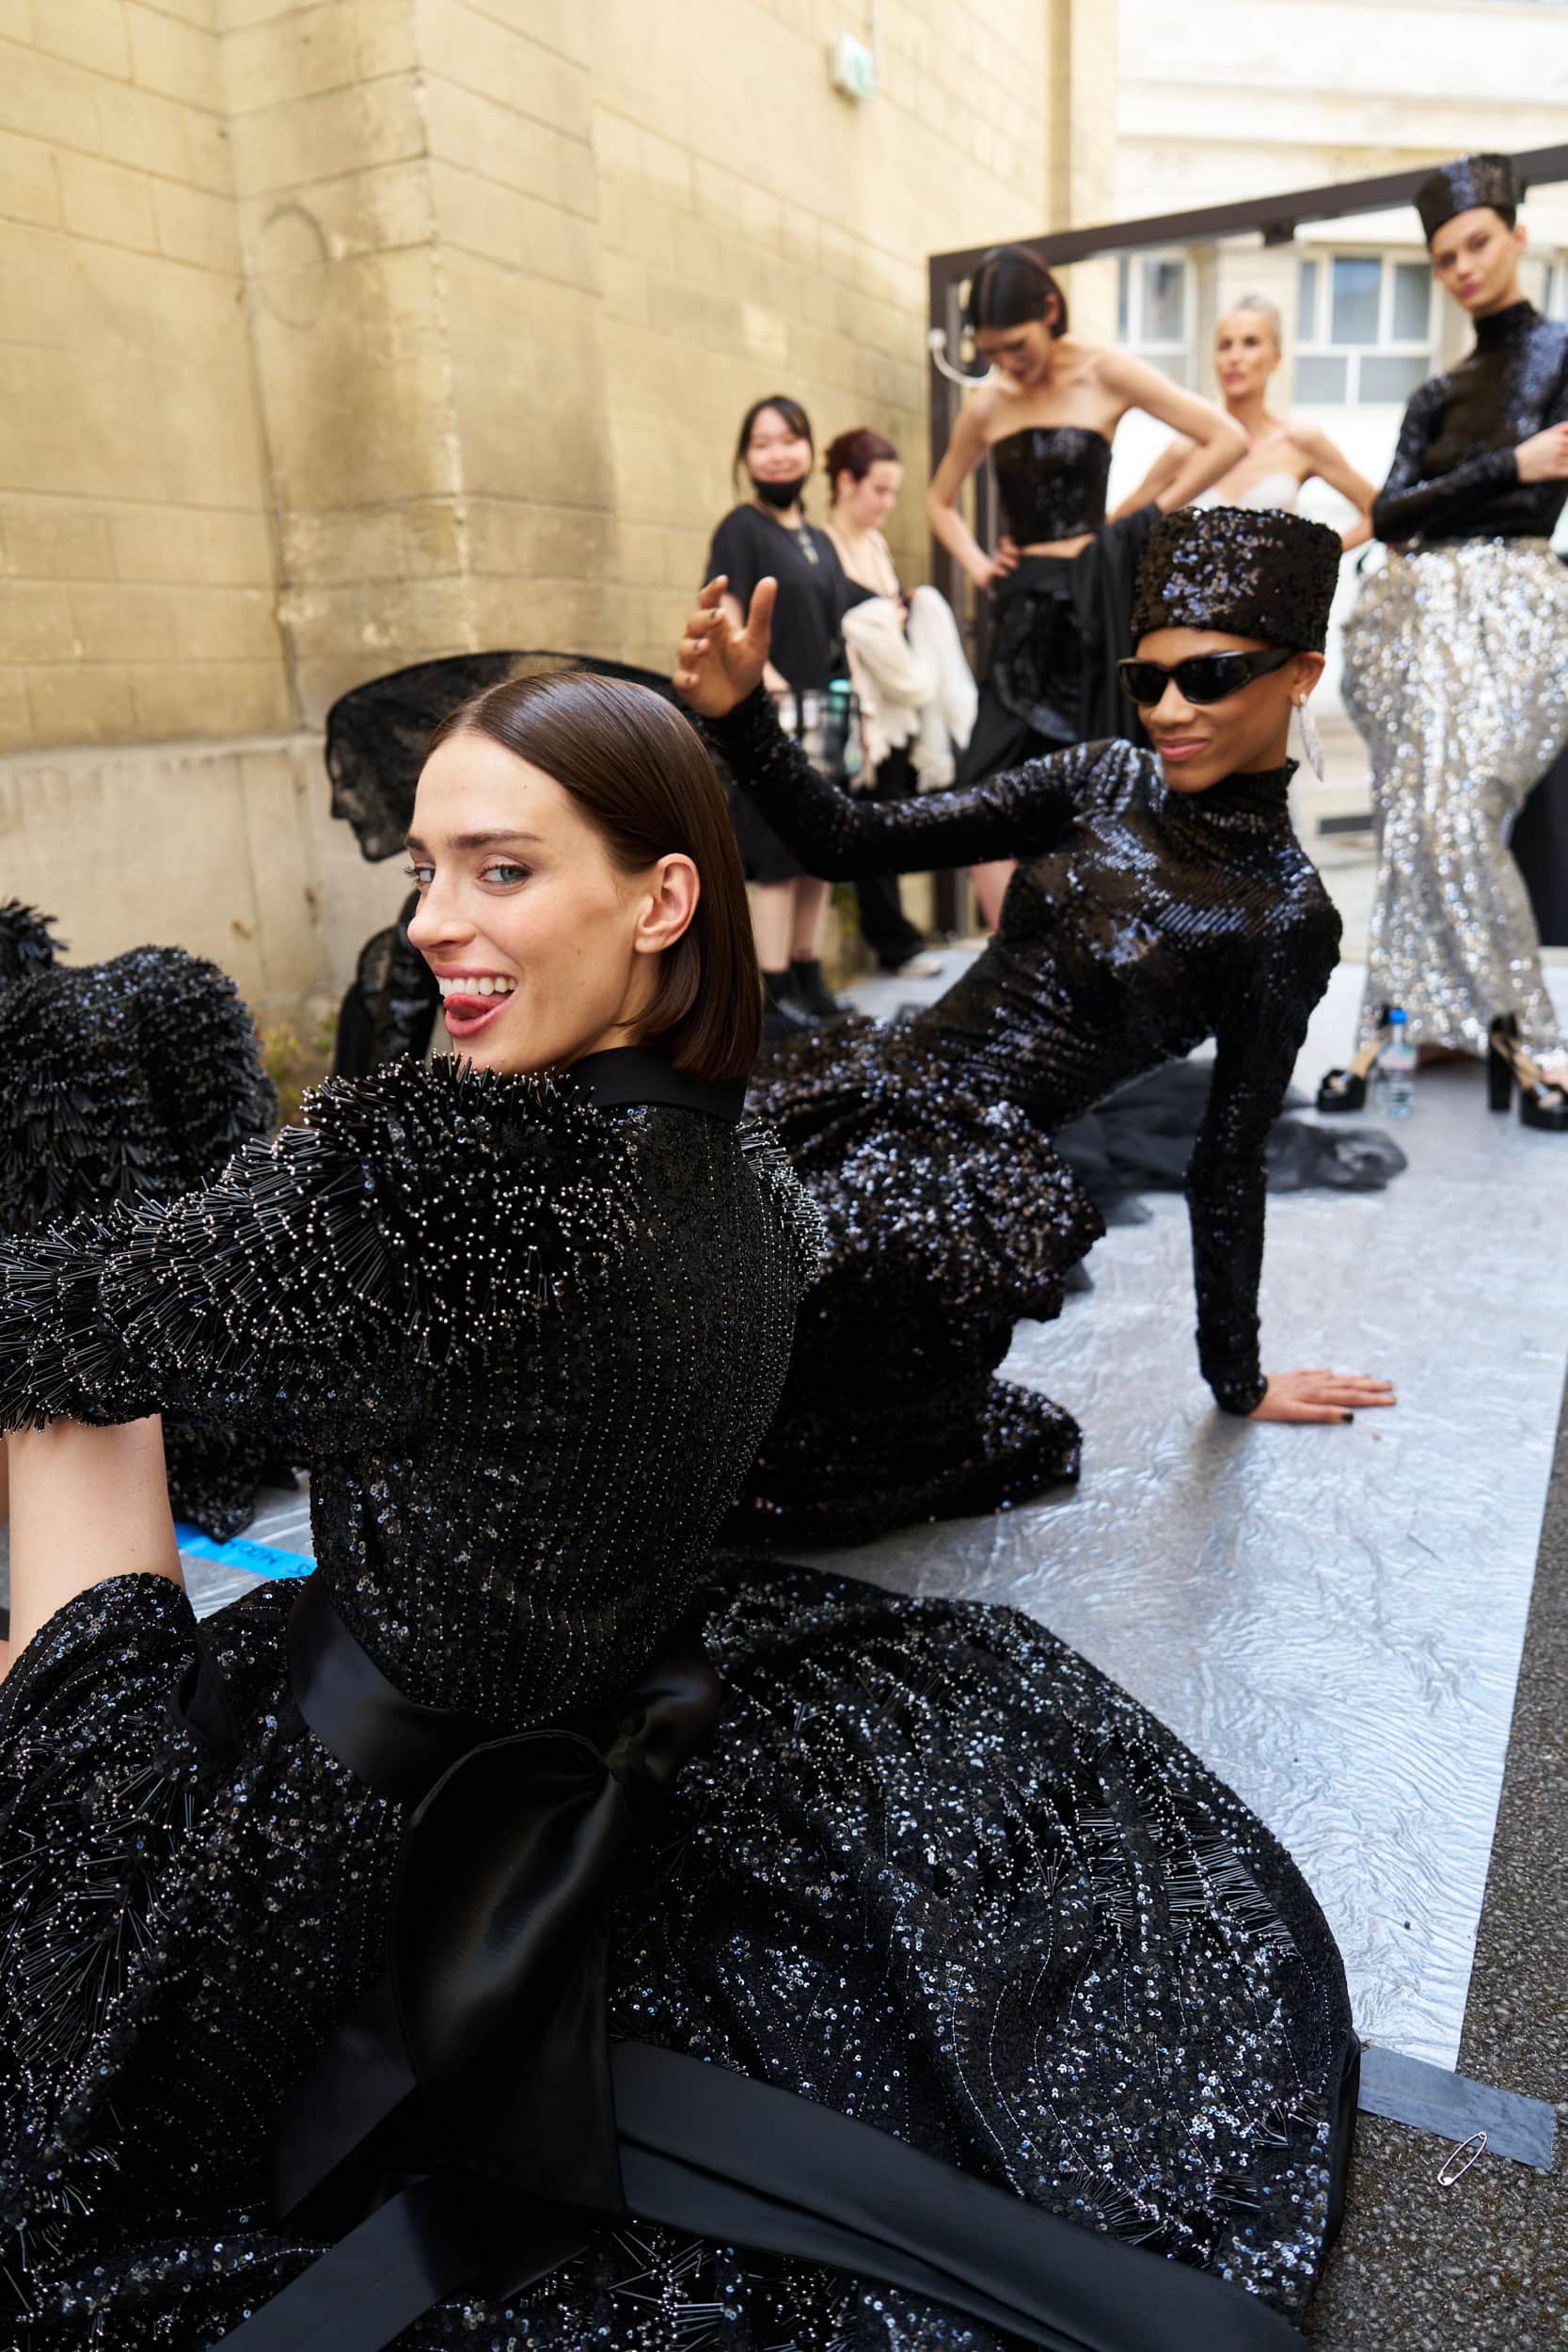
(1320,1396)
(720,662)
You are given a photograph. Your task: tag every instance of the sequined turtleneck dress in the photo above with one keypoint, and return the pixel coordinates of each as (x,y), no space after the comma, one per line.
(935,1884)
(1456,673)
(1139,923)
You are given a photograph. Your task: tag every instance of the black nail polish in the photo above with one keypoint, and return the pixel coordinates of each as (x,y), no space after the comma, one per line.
(1347,1417)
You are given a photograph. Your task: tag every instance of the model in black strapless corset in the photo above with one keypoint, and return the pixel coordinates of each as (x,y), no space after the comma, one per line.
(1051,480)
(1059,622)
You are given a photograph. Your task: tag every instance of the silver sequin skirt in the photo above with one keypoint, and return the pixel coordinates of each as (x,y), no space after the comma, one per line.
(1456,674)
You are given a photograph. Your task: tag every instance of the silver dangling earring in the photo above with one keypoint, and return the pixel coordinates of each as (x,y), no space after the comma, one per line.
(1312,742)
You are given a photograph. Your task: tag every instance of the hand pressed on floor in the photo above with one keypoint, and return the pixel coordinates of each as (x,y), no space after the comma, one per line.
(1320,1395)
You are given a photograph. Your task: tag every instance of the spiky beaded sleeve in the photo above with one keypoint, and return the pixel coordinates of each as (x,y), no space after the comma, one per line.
(327,1280)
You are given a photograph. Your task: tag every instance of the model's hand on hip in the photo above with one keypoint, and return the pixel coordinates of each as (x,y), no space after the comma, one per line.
(1320,1396)
(720,662)
(1544,457)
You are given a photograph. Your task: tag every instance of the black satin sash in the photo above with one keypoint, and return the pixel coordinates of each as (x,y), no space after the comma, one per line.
(470,2125)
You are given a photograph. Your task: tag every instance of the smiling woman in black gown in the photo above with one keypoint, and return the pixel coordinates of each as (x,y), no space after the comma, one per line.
(1159,900)
(367,1974)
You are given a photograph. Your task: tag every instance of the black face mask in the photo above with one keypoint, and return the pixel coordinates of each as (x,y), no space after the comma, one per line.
(778,494)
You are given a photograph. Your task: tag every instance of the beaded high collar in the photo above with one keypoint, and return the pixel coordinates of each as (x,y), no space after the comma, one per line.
(1264,793)
(1503,326)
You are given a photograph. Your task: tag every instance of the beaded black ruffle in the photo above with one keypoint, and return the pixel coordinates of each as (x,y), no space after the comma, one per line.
(130,1080)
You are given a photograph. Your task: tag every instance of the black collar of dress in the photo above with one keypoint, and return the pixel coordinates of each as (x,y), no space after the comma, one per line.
(626,1074)
(1502,326)
(1257,793)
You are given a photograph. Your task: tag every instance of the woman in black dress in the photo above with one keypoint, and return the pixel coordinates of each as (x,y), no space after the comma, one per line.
(1158,901)
(769,536)
(315,2030)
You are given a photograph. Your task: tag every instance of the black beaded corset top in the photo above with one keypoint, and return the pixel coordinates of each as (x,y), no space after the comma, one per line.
(1051,479)
(527,1332)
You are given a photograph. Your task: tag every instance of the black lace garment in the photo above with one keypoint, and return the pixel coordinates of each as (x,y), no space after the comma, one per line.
(936,1873)
(1052,481)
(1139,923)
(129,1080)
(1454,476)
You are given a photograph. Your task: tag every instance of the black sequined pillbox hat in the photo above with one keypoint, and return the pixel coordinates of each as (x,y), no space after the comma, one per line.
(1463,184)
(1248,571)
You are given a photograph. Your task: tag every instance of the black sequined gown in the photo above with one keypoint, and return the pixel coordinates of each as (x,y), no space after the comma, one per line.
(1138,924)
(934,1873)
(131,1079)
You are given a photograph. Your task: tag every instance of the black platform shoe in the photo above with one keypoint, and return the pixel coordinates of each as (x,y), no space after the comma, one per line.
(1542,1101)
(1346,1089)
(783,1016)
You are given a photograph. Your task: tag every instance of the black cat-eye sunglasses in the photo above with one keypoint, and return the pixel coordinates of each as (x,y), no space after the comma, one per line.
(1203,677)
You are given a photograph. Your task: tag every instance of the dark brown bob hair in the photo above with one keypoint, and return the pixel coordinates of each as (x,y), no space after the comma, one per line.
(793,415)
(1010,287)
(855,452)
(639,772)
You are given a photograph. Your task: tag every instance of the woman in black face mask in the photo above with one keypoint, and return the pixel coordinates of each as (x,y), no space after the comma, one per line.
(770,535)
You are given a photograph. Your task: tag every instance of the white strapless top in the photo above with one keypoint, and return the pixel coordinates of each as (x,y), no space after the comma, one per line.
(1270,489)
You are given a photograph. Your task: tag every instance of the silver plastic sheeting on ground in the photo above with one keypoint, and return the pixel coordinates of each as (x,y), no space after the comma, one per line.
(1332,1618)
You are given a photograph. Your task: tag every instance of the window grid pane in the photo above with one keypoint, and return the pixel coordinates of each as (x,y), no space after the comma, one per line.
(1164,301)
(1322,379)
(1124,300)
(1412,302)
(1357,284)
(1391,375)
(1306,302)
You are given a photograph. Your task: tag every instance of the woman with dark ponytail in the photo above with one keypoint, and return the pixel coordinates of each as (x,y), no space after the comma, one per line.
(1062,592)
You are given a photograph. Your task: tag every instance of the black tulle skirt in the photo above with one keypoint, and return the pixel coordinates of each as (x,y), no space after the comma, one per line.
(935,1873)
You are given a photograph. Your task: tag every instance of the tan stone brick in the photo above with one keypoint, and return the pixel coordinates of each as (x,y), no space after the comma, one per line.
(480,218)
(35,622)
(194,227)
(190,544)
(144,129)
(106,203)
(421,538)
(540,542)
(208,162)
(30,190)
(520,425)
(357,401)
(52,539)
(224,624)
(564,26)
(210,699)
(626,287)
(80,702)
(16,717)
(471,48)
(109,625)
(331,47)
(491,138)
(565,616)
(181,60)
(310,138)
(87,32)
(376,622)
(360,211)
(47,99)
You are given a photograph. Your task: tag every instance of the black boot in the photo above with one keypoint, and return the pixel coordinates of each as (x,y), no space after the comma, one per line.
(811,990)
(783,1016)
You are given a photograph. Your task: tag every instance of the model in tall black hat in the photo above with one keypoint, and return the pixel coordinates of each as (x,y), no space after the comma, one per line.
(1456,657)
(1160,899)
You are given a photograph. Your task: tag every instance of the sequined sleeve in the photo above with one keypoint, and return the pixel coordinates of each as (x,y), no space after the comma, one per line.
(844,839)
(314,1290)
(1226,1178)
(1409,507)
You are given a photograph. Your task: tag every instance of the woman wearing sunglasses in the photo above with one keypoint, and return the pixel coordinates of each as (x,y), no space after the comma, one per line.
(1160,899)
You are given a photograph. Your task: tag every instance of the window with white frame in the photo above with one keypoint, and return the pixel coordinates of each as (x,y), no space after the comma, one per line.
(1154,310)
(1364,328)
(1543,280)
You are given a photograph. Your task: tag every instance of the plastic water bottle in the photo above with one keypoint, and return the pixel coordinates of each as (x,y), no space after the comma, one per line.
(1397,1068)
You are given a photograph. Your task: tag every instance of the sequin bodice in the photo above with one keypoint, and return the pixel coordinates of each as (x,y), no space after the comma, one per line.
(1139,923)
(527,1341)
(1455,474)
(1052,481)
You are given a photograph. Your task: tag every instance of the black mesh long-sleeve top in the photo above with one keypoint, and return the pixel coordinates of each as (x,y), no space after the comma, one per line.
(1140,922)
(527,1333)
(1454,476)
